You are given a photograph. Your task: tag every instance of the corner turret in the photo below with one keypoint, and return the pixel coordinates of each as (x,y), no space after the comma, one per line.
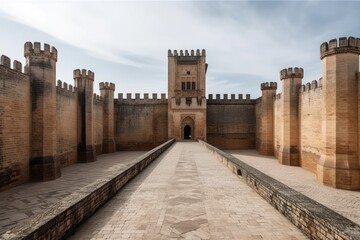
(266,138)
(346,45)
(107,94)
(291,81)
(84,81)
(35,50)
(339,162)
(41,67)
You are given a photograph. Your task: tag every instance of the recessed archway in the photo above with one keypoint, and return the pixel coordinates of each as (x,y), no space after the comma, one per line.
(187,128)
(187,132)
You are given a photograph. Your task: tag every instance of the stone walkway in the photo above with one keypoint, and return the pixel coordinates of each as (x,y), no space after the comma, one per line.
(187,194)
(21,203)
(344,202)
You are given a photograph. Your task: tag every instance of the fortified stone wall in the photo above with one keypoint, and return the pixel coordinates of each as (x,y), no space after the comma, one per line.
(43,123)
(66,124)
(98,124)
(231,122)
(310,122)
(140,124)
(15,116)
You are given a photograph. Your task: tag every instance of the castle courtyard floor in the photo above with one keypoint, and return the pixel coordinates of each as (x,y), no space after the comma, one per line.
(344,202)
(187,193)
(21,203)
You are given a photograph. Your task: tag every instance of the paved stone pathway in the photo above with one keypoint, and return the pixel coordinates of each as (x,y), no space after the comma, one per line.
(187,194)
(21,203)
(344,202)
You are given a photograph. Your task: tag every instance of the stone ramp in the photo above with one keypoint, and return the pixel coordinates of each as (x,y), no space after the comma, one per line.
(187,194)
(50,209)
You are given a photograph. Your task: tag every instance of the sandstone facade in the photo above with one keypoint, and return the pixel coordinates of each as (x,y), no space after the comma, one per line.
(47,124)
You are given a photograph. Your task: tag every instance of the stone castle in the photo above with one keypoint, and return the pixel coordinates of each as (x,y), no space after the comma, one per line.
(46,125)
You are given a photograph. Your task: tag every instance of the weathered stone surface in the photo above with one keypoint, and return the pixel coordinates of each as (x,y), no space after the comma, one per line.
(314,219)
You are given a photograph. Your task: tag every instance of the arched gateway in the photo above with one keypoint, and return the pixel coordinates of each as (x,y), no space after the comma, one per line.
(187,128)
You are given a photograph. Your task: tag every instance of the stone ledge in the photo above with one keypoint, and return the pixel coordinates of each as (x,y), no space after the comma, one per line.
(312,218)
(60,221)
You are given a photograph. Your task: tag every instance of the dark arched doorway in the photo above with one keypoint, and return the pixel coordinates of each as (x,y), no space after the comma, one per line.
(188,129)
(187,132)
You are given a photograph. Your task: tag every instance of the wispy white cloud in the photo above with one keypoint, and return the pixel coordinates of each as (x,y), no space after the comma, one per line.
(245,39)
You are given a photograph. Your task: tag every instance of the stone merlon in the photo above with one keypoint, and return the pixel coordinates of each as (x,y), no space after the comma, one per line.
(186,54)
(269,86)
(83,74)
(346,45)
(107,86)
(35,50)
(291,73)
(5,61)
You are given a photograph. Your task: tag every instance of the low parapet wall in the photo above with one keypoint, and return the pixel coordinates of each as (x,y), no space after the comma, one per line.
(313,219)
(59,221)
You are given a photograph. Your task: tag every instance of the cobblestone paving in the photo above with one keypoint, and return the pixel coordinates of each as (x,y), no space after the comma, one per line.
(187,194)
(21,203)
(344,202)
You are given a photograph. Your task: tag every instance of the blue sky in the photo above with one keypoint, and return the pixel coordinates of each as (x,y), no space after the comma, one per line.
(247,43)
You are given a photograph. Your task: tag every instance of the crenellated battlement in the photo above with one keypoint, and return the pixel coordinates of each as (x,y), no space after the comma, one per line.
(186,53)
(230,99)
(344,45)
(83,74)
(269,86)
(35,50)
(311,86)
(138,99)
(291,73)
(65,87)
(97,97)
(107,86)
(5,61)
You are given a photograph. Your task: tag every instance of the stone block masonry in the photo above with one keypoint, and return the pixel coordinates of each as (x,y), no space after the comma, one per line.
(316,126)
(315,220)
(231,123)
(140,124)
(47,124)
(70,125)
(15,124)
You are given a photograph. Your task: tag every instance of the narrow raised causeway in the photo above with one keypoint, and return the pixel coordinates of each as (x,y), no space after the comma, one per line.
(187,193)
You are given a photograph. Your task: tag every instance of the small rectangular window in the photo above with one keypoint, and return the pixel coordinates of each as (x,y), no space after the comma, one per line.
(188,85)
(193,86)
(183,86)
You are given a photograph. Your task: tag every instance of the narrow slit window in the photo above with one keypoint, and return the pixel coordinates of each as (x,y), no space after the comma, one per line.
(188,85)
(193,85)
(183,86)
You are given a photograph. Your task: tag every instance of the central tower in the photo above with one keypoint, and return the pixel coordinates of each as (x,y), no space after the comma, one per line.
(186,94)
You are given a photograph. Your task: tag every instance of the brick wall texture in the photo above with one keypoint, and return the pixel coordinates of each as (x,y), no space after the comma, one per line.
(15,120)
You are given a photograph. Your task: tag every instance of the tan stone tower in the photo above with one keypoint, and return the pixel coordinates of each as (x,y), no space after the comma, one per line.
(186,93)
(107,94)
(291,82)
(339,162)
(267,121)
(41,66)
(84,82)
